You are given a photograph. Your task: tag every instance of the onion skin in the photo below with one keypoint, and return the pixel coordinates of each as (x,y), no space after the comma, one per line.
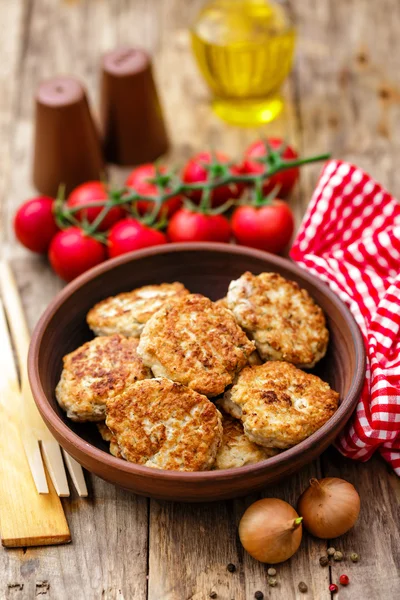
(270,530)
(329,507)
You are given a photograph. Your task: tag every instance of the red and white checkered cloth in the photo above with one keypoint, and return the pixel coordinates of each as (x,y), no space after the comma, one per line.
(350,238)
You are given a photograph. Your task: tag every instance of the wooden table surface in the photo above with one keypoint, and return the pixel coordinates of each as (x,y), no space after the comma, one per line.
(343,97)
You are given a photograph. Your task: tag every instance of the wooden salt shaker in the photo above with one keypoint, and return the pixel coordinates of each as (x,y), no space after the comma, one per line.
(132,121)
(67,148)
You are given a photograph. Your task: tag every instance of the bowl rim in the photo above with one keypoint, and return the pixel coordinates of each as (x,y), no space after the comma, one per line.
(49,414)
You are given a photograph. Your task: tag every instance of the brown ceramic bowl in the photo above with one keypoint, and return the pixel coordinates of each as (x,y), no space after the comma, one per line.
(208,269)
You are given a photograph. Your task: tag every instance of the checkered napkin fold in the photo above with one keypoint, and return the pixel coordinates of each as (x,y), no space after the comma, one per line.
(350,238)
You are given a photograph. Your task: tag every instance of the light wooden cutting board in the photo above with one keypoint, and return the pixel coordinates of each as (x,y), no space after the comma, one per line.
(26,517)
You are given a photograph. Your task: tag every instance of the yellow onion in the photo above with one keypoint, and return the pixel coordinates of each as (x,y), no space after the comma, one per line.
(270,530)
(329,507)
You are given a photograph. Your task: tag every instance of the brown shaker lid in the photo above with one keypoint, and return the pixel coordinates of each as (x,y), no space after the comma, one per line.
(131,116)
(126,61)
(60,91)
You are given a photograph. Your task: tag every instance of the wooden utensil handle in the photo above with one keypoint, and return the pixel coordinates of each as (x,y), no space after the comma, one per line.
(16,316)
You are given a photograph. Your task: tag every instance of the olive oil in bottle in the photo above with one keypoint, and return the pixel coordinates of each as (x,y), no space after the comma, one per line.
(244,49)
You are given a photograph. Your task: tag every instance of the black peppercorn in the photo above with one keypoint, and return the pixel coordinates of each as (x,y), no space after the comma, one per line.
(303,587)
(213,594)
(259,595)
(231,568)
(324,561)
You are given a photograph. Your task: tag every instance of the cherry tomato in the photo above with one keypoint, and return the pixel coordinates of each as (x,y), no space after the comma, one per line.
(138,180)
(130,234)
(34,224)
(187,226)
(93,191)
(195,172)
(285,179)
(72,252)
(268,228)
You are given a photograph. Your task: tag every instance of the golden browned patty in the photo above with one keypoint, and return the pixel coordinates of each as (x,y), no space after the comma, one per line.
(278,404)
(282,318)
(96,372)
(254,358)
(236,449)
(163,424)
(222,302)
(196,343)
(127,313)
(109,437)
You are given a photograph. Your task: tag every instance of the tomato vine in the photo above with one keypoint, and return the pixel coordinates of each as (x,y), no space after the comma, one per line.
(170,184)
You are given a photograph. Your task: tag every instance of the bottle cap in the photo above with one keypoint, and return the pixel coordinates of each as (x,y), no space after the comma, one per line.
(132,122)
(67,148)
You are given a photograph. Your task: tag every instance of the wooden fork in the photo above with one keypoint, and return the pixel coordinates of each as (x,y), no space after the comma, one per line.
(34,433)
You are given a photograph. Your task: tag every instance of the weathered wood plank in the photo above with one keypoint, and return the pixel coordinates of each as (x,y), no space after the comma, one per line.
(191,546)
(348,85)
(192,125)
(11,32)
(375,536)
(345,99)
(54,38)
(348,102)
(304,565)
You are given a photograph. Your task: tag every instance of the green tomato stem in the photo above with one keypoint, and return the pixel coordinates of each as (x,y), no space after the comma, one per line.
(75,209)
(205,202)
(98,220)
(273,164)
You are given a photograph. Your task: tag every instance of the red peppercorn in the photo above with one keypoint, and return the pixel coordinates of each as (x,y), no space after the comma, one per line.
(344,580)
(333,588)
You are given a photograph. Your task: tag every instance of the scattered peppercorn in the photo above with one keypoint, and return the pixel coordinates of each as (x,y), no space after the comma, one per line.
(331,551)
(231,568)
(213,594)
(259,595)
(333,588)
(324,561)
(303,587)
(271,572)
(344,580)
(338,556)
(272,582)
(354,557)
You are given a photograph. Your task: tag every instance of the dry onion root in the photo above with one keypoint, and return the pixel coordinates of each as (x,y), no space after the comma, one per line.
(329,507)
(270,530)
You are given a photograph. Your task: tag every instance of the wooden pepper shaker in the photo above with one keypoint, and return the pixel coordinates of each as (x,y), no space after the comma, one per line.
(131,116)
(67,148)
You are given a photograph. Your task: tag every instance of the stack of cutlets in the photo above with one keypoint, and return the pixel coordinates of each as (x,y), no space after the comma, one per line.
(175,381)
